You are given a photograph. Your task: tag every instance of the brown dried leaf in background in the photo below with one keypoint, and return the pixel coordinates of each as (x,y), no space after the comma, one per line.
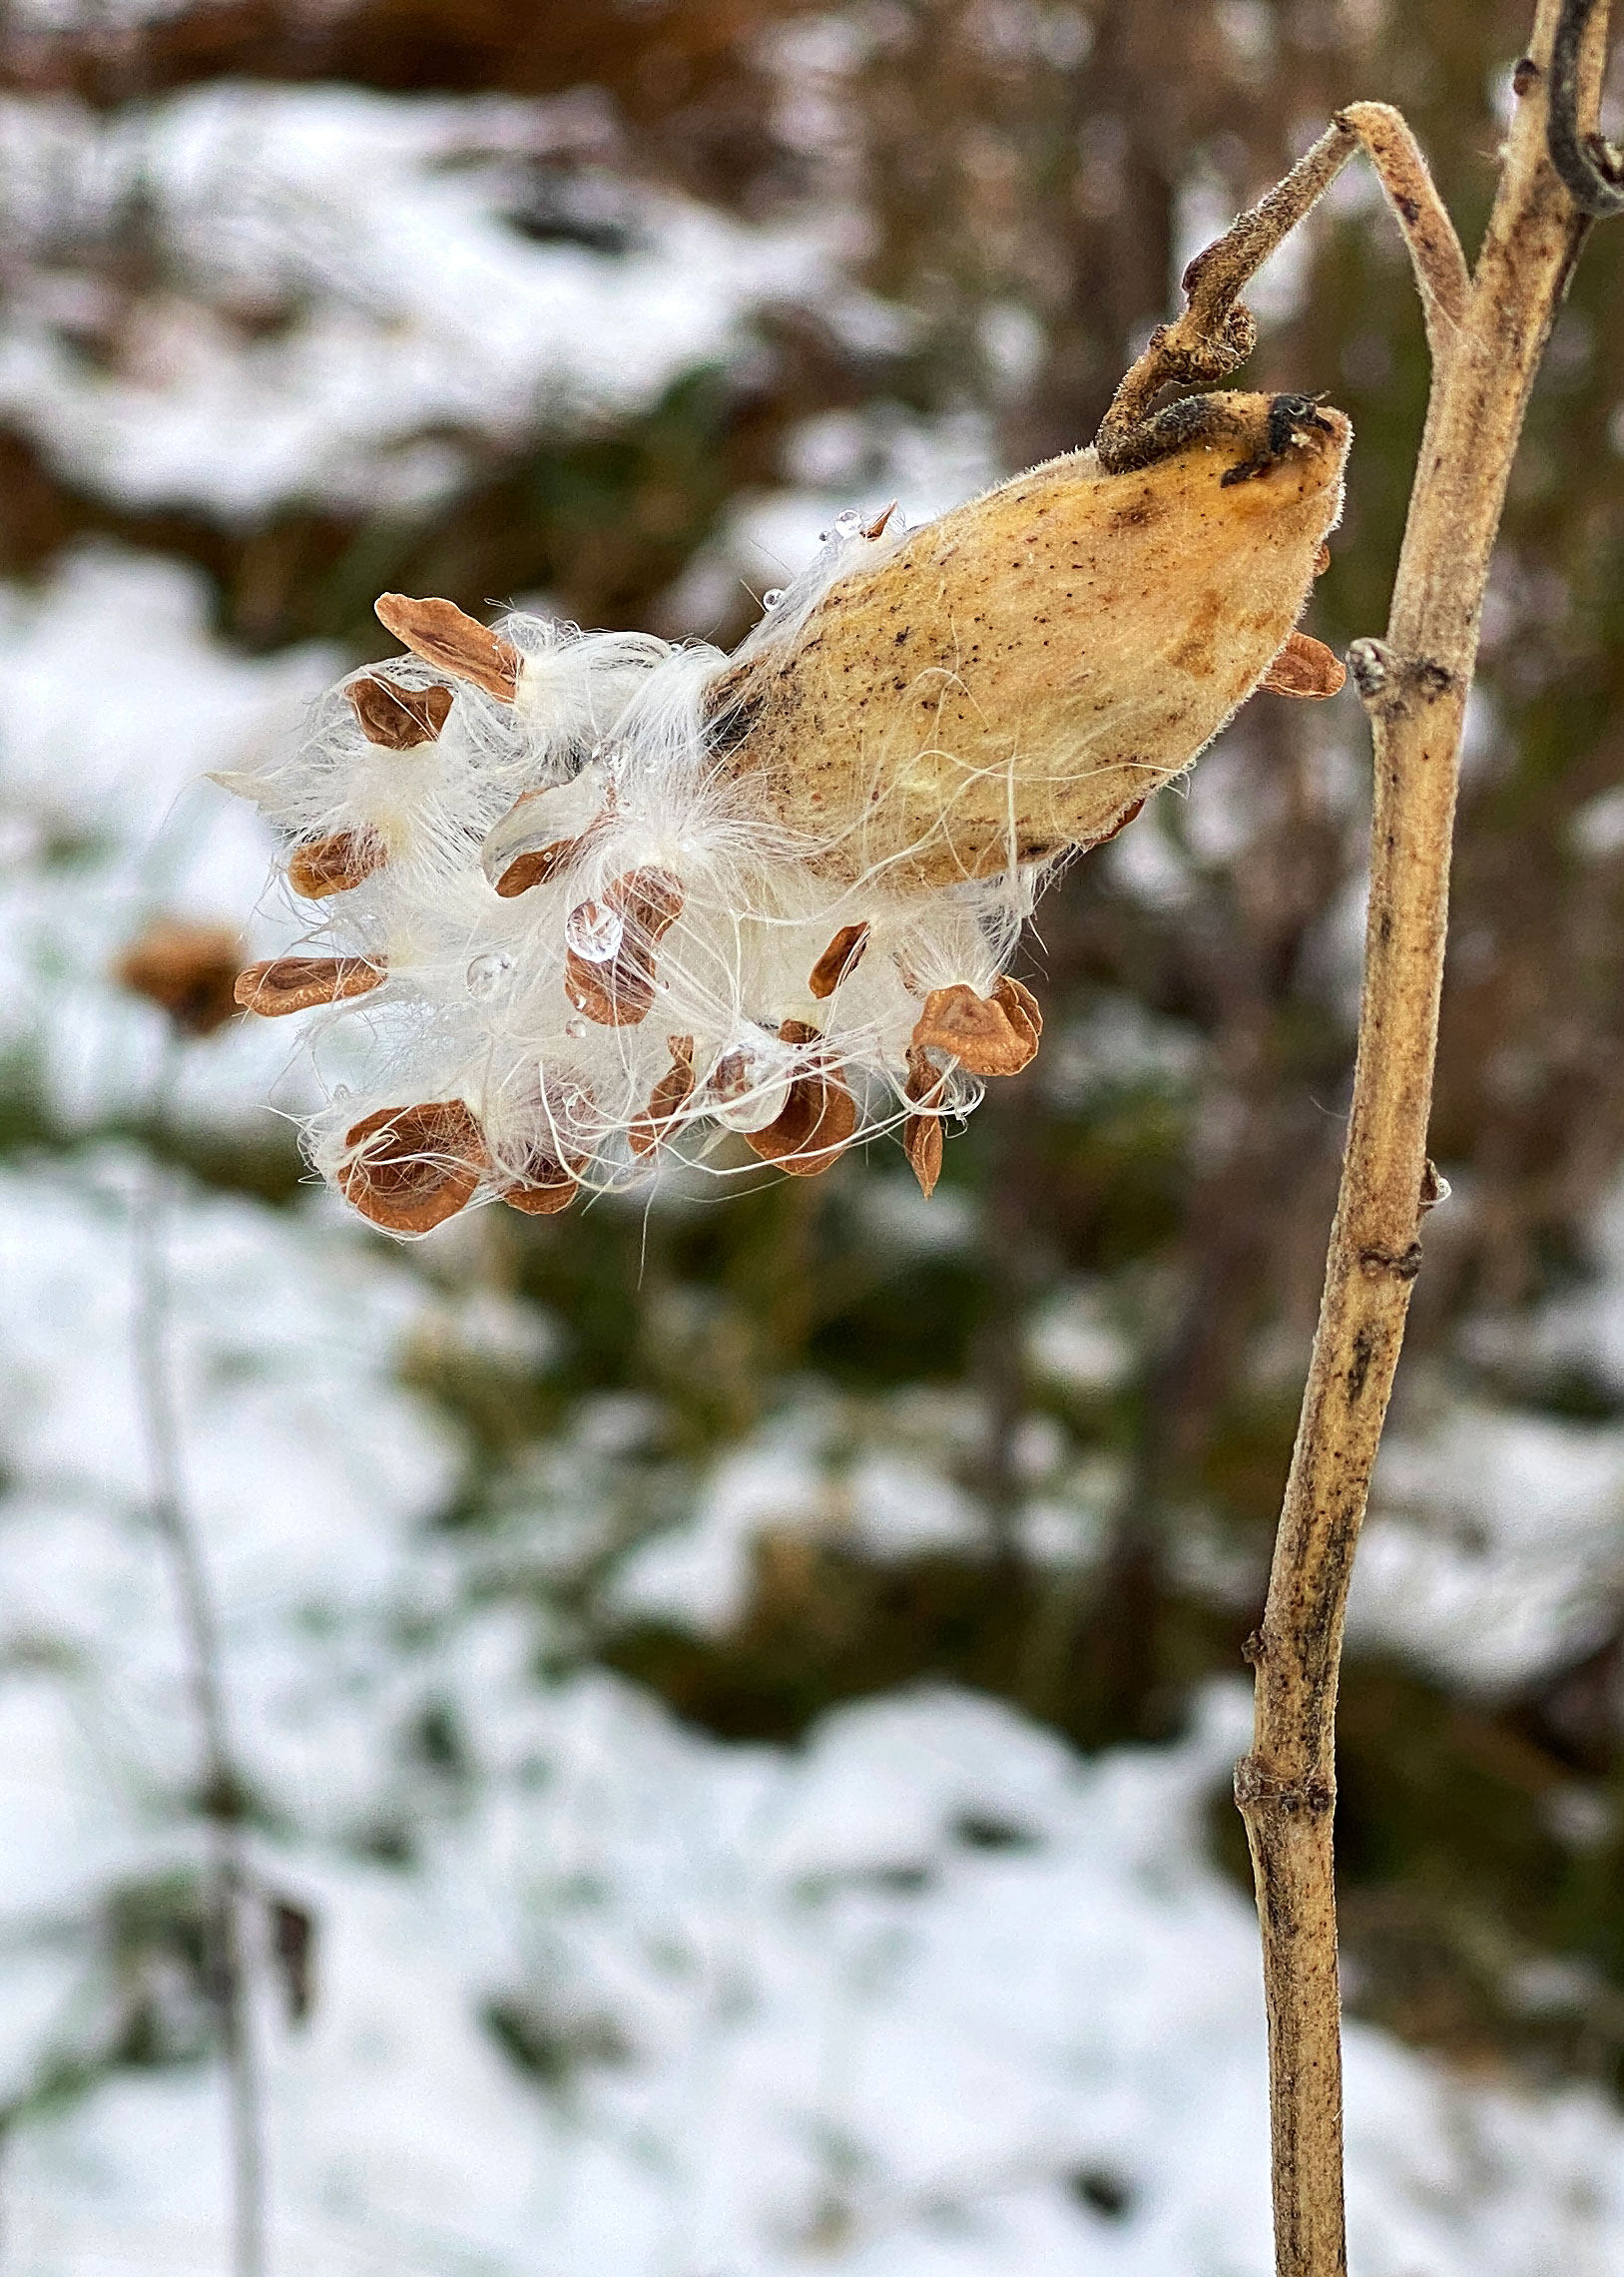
(188,970)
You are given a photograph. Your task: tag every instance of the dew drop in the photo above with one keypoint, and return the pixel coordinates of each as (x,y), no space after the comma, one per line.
(773,596)
(486,973)
(750,1086)
(594,932)
(847,525)
(575,1028)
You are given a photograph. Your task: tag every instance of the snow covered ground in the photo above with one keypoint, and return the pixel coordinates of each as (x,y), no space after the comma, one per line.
(928,1994)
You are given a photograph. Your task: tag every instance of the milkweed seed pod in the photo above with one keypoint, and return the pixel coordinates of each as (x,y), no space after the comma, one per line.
(597,895)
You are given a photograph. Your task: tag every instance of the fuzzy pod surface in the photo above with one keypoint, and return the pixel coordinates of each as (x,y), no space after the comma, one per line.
(1018,675)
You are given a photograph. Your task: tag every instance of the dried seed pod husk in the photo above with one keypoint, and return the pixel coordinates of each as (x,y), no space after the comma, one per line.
(842,955)
(667,1100)
(397,718)
(1017,673)
(1304,667)
(188,970)
(818,1121)
(448,638)
(295,984)
(333,864)
(411,1167)
(978,1030)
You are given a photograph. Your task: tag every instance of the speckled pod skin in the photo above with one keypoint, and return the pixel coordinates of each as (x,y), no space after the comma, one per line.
(1022,673)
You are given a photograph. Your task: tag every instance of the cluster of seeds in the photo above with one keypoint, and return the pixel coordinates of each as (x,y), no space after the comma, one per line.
(579,933)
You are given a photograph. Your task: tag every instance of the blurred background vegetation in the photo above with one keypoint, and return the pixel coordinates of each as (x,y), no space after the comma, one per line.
(1096,1334)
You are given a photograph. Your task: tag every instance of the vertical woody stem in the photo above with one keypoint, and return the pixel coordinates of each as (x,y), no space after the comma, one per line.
(1415,688)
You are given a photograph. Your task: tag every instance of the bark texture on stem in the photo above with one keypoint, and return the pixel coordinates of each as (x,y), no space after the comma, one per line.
(1414,687)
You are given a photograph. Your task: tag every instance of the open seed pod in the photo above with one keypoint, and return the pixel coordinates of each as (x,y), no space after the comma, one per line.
(638,901)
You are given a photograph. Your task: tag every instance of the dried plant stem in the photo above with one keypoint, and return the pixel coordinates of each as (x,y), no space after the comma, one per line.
(1216,333)
(222,1787)
(1415,688)
(1487,335)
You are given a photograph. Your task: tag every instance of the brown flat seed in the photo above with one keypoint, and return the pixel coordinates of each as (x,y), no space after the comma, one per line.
(881,519)
(1304,667)
(815,1125)
(295,984)
(332,866)
(927,1084)
(616,995)
(411,1167)
(1020,1008)
(447,637)
(547,1187)
(842,955)
(188,970)
(975,1029)
(816,1121)
(396,718)
(538,868)
(669,1096)
(648,898)
(921,1143)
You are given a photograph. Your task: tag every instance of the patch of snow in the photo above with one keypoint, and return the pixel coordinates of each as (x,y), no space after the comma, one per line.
(1495,1549)
(358,281)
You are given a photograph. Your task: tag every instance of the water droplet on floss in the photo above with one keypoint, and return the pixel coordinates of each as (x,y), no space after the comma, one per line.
(594,932)
(750,1088)
(575,1028)
(772,597)
(847,525)
(486,973)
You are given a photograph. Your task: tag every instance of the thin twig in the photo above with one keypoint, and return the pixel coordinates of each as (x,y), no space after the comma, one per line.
(222,1787)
